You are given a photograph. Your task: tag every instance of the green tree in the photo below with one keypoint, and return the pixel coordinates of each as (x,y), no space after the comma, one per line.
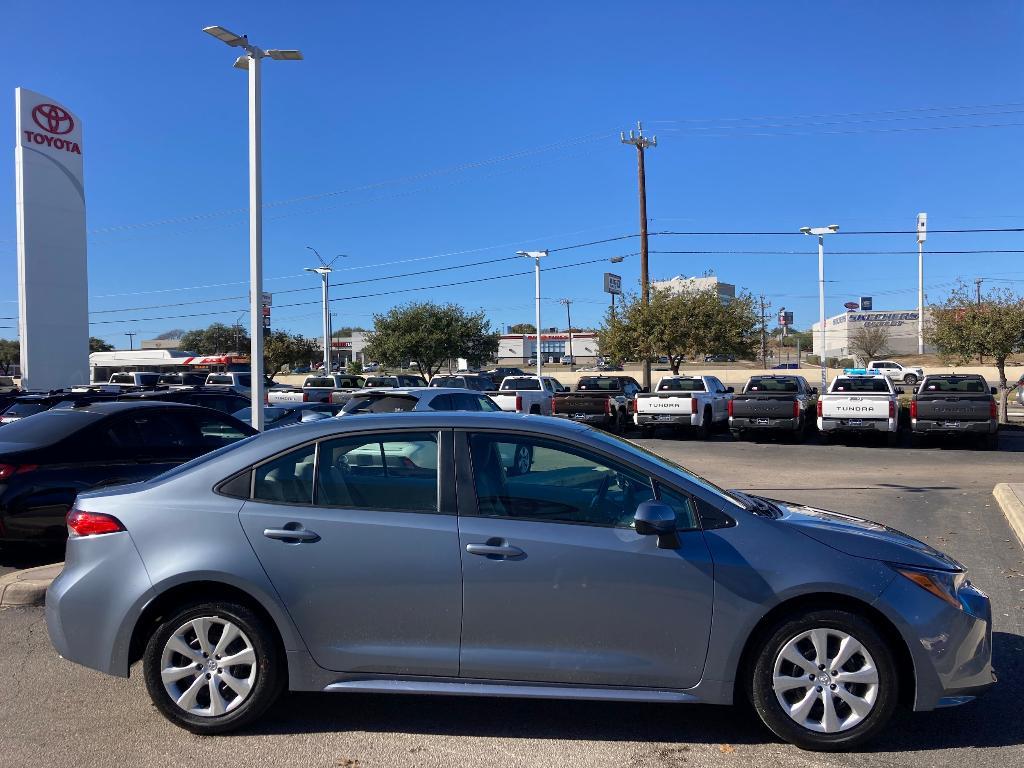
(174,333)
(99,345)
(430,334)
(281,348)
(522,328)
(688,324)
(962,328)
(10,355)
(870,343)
(215,339)
(346,330)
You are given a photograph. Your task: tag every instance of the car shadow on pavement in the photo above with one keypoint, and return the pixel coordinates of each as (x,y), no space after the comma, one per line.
(13,558)
(992,721)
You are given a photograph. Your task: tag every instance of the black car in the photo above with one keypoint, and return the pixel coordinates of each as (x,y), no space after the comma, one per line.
(185,378)
(479,382)
(37,402)
(47,460)
(501,372)
(219,398)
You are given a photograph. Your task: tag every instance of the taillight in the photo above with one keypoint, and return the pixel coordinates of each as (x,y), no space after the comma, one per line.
(9,470)
(729,407)
(636,406)
(519,403)
(305,397)
(892,409)
(608,406)
(819,408)
(913,409)
(993,409)
(266,398)
(554,406)
(693,404)
(82,523)
(796,409)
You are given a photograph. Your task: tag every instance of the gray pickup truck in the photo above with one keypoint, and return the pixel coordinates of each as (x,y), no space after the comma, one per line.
(602,401)
(955,405)
(779,404)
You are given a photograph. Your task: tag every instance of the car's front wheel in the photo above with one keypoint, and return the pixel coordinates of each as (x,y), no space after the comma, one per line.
(825,680)
(212,667)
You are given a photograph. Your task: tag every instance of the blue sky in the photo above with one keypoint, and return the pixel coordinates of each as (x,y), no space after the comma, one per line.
(427,135)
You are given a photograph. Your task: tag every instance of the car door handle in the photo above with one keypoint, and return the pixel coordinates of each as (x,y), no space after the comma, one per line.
(494,550)
(291,535)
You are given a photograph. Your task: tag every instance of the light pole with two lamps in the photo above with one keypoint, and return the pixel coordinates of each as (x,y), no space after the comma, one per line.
(831,229)
(324,270)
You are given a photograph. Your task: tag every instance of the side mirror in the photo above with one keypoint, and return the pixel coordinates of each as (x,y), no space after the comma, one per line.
(654,518)
(993,390)
(814,390)
(730,390)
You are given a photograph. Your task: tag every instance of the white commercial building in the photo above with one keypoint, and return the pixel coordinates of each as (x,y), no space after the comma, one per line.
(901,326)
(518,348)
(680,284)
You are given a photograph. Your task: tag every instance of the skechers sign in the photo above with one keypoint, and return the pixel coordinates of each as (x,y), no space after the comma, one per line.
(55,121)
(876,319)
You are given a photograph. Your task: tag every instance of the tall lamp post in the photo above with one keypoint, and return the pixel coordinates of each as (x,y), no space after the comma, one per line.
(922,235)
(324,270)
(821,232)
(536,256)
(568,319)
(251,61)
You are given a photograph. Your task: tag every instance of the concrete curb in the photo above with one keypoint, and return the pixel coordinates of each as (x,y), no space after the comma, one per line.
(1010,497)
(27,587)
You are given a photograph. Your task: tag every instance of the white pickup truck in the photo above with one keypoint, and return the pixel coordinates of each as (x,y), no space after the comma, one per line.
(526,394)
(890,369)
(859,403)
(315,389)
(697,402)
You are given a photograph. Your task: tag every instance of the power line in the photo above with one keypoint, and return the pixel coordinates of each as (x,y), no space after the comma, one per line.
(850,232)
(846,114)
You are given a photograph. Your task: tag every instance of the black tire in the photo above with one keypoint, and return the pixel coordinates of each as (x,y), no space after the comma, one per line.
(269,666)
(892,439)
(646,432)
(769,709)
(707,425)
(910,379)
(992,442)
(916,440)
(522,460)
(737,434)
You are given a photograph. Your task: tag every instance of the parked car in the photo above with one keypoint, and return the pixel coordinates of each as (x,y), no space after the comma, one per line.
(526,394)
(602,572)
(779,404)
(33,403)
(233,380)
(302,369)
(217,398)
(786,367)
(135,379)
(695,402)
(859,403)
(891,369)
(955,405)
(397,400)
(276,416)
(719,358)
(478,382)
(398,380)
(48,458)
(316,389)
(183,379)
(599,400)
(371,367)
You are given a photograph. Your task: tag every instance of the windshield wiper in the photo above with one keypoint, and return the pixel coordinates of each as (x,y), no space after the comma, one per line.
(758,505)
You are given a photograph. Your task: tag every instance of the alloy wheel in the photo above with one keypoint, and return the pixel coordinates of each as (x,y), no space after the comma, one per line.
(825,680)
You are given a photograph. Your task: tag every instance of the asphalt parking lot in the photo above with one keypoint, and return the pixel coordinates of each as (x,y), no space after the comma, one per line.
(55,713)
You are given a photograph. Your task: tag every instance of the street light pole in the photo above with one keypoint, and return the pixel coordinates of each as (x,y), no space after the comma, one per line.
(536,256)
(568,318)
(251,61)
(324,270)
(922,235)
(821,232)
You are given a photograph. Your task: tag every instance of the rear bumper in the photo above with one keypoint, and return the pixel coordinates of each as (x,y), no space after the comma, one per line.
(932,427)
(764,423)
(866,425)
(595,419)
(666,419)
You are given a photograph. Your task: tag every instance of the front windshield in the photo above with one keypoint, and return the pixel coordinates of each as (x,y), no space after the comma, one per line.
(671,466)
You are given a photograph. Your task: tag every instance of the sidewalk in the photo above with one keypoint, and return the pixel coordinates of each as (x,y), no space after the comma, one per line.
(27,587)
(1011,500)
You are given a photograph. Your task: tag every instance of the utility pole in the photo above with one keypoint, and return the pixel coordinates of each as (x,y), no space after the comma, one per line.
(922,235)
(765,305)
(536,256)
(977,293)
(131,340)
(641,143)
(568,318)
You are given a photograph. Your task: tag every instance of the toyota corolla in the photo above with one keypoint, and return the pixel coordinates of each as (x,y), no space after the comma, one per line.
(397,553)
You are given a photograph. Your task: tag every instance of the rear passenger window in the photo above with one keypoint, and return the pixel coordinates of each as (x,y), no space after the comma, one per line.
(287,479)
(394,472)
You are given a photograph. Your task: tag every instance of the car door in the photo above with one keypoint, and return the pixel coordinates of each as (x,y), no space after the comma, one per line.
(558,587)
(359,536)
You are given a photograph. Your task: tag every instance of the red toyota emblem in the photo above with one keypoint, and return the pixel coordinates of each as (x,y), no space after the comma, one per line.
(53,119)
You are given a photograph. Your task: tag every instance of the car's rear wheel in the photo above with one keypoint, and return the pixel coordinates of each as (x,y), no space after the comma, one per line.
(825,680)
(707,425)
(213,667)
(910,379)
(522,460)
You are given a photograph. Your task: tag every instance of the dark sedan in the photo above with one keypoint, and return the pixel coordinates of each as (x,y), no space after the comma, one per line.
(31,404)
(219,398)
(48,459)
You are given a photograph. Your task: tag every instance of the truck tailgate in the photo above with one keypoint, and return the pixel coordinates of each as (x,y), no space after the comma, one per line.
(763,407)
(282,396)
(505,400)
(664,402)
(577,403)
(940,408)
(855,406)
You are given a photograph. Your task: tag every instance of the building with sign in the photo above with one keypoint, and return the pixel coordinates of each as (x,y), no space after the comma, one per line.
(901,326)
(518,348)
(680,283)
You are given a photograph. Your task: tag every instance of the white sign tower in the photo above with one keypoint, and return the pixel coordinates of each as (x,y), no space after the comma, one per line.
(53,296)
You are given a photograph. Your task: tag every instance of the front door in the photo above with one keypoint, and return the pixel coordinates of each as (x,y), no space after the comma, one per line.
(558,587)
(366,561)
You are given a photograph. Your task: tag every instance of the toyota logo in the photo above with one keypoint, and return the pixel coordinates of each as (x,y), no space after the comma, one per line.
(53,119)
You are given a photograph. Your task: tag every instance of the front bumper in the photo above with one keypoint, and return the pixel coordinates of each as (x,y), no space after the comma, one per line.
(951,648)
(665,419)
(932,427)
(857,425)
(741,423)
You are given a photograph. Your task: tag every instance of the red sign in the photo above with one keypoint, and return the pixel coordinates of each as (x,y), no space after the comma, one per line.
(53,119)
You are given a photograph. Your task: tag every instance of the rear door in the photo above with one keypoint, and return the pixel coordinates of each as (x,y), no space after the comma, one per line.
(359,536)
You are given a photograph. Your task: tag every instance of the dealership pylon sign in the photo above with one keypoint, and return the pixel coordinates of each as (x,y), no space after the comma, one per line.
(53,296)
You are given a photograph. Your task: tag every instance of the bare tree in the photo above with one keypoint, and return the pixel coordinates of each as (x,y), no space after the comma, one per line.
(870,343)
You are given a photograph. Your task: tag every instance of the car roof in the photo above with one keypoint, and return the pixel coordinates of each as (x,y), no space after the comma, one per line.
(411,391)
(119,406)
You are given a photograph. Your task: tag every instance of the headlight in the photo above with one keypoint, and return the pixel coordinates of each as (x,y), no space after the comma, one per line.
(943,584)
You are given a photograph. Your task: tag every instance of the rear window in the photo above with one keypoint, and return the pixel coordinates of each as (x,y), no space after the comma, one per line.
(861,385)
(122,378)
(772,385)
(682,385)
(381,381)
(595,384)
(44,428)
(383,404)
(524,384)
(972,386)
(322,382)
(21,410)
(447,381)
(148,379)
(215,379)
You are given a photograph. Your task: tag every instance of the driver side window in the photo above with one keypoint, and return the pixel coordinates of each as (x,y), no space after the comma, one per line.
(545,481)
